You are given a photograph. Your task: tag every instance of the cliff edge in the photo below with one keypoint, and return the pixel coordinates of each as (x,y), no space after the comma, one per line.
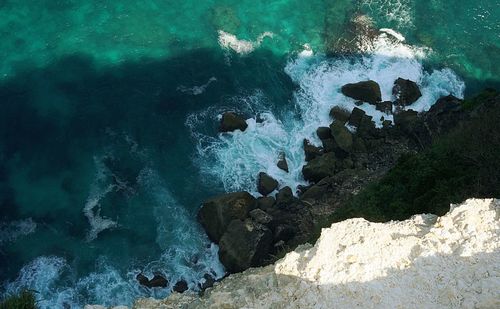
(423,262)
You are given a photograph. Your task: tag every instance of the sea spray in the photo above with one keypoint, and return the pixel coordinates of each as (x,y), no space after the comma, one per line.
(236,158)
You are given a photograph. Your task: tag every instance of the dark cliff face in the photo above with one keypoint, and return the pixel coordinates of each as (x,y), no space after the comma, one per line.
(420,164)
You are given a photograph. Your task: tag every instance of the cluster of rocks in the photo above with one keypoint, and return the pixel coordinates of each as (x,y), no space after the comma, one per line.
(253,231)
(160,281)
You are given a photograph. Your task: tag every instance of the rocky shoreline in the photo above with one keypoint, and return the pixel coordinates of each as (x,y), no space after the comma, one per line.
(256,231)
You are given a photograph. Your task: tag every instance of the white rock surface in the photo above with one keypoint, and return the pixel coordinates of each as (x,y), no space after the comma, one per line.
(424,262)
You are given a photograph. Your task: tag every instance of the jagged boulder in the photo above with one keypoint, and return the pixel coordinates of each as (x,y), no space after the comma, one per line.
(266,184)
(245,244)
(356,117)
(366,91)
(216,213)
(282,163)
(311,151)
(158,281)
(323,133)
(232,122)
(265,202)
(284,197)
(342,136)
(405,91)
(319,168)
(384,107)
(339,114)
(181,286)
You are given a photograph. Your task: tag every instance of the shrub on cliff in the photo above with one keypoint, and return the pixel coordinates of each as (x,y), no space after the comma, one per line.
(465,163)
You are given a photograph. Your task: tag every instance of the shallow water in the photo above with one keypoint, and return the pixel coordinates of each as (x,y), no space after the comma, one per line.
(109,115)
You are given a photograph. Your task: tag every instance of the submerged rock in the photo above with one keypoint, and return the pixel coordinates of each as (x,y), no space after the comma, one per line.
(266,184)
(217,213)
(232,122)
(366,91)
(245,244)
(405,91)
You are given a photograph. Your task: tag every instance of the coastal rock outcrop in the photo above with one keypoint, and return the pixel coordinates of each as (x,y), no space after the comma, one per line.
(366,91)
(232,122)
(217,213)
(405,91)
(266,184)
(426,262)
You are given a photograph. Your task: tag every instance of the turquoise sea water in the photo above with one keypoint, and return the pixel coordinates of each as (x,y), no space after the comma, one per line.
(108,122)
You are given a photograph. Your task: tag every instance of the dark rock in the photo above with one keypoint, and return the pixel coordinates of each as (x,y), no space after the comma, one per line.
(265,202)
(260,216)
(359,103)
(366,91)
(311,151)
(282,163)
(339,114)
(329,144)
(245,244)
(216,213)
(406,120)
(181,286)
(323,133)
(266,184)
(385,107)
(208,282)
(405,91)
(342,136)
(231,122)
(158,281)
(386,123)
(284,197)
(357,115)
(283,232)
(319,168)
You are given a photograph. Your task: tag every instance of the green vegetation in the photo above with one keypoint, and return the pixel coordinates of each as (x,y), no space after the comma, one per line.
(25,300)
(460,165)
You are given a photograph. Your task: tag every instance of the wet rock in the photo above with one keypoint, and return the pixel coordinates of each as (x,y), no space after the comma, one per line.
(319,168)
(266,184)
(158,281)
(366,91)
(407,120)
(384,107)
(208,282)
(265,202)
(181,286)
(282,163)
(356,117)
(311,151)
(216,213)
(329,144)
(342,136)
(231,122)
(245,244)
(284,197)
(339,114)
(260,216)
(405,91)
(323,133)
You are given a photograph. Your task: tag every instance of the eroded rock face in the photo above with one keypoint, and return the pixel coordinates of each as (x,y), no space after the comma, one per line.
(346,268)
(217,213)
(232,122)
(245,244)
(405,91)
(366,91)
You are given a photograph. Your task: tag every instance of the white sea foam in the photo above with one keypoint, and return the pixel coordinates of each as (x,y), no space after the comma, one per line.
(196,90)
(11,231)
(236,158)
(243,47)
(398,11)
